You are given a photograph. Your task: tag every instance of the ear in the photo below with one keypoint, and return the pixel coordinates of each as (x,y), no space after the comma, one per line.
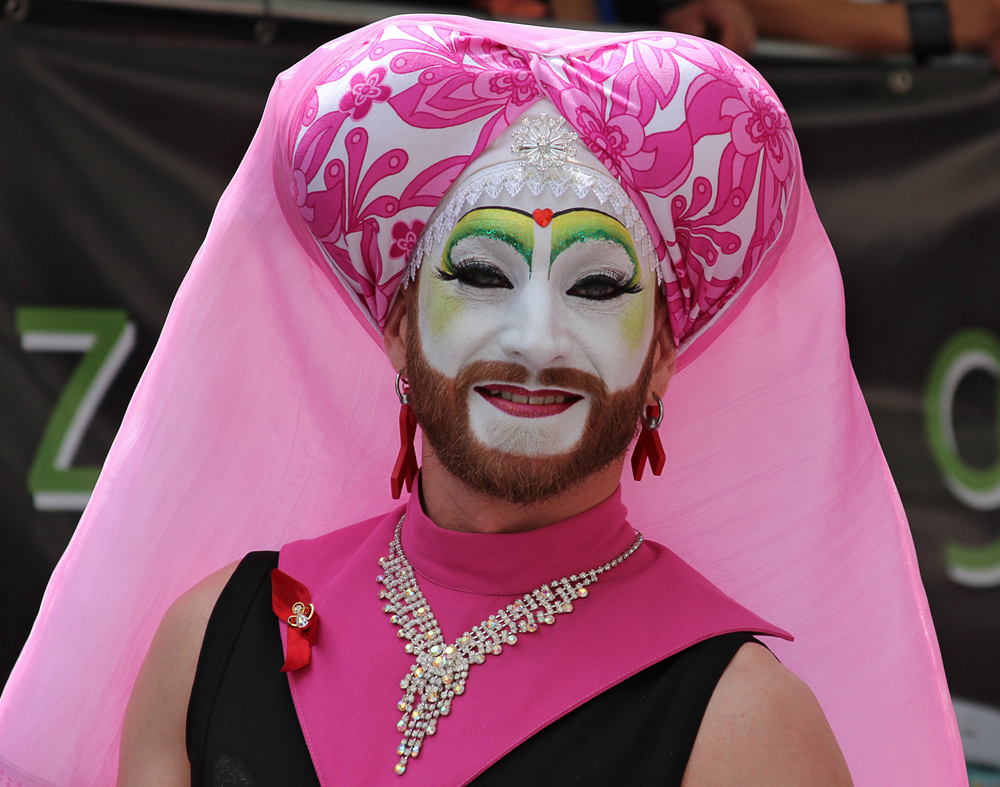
(396,323)
(664,353)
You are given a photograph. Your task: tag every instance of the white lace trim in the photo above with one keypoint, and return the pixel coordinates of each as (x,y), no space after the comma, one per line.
(511,177)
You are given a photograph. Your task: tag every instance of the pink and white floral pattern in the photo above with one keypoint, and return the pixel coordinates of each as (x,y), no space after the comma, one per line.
(364,90)
(694,137)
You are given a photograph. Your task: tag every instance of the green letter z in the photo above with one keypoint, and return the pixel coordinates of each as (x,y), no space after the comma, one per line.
(106,338)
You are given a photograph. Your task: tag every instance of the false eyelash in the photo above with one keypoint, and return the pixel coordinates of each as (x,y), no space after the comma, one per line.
(461,272)
(614,279)
(462,267)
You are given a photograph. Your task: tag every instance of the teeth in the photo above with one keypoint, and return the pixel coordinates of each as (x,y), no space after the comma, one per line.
(522,399)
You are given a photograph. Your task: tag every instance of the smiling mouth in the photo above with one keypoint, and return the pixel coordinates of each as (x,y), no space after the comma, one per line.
(523,403)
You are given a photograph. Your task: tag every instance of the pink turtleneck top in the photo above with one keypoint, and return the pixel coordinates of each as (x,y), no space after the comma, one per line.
(649,607)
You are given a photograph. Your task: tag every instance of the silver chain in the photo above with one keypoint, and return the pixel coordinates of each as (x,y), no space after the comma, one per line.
(439,671)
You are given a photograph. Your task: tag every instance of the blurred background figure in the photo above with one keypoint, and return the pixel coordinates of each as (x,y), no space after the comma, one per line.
(924,27)
(729,22)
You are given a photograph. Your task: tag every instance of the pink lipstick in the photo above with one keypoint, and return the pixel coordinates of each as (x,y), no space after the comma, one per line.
(523,403)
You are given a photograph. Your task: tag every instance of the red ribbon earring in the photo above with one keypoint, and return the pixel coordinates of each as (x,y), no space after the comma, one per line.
(648,447)
(405,469)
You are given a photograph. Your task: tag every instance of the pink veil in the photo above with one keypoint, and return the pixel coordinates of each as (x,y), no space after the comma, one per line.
(267,414)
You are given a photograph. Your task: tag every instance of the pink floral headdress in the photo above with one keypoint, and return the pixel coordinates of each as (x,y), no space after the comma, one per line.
(697,143)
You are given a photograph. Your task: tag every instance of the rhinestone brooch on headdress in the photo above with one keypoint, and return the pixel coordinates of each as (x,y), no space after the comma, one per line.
(544,142)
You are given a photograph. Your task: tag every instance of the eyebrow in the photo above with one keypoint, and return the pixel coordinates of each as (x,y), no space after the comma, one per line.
(508,225)
(578,225)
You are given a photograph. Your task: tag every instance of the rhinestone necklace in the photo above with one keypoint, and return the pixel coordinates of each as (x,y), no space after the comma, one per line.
(439,670)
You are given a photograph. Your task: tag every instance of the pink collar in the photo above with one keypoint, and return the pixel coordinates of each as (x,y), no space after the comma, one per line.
(346,697)
(514,563)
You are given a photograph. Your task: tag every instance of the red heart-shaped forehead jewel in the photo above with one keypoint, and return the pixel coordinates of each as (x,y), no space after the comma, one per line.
(543,216)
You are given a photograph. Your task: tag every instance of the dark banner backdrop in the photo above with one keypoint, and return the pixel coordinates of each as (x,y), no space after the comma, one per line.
(116,144)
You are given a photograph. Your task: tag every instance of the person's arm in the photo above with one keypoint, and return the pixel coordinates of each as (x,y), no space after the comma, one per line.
(728,22)
(763,726)
(873,28)
(870,28)
(153,749)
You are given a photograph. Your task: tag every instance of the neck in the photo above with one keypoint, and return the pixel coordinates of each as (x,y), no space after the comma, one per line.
(453,505)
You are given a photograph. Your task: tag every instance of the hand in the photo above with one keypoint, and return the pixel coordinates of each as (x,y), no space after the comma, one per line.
(726,21)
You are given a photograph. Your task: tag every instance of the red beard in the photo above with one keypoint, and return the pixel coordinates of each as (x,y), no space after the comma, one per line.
(442,409)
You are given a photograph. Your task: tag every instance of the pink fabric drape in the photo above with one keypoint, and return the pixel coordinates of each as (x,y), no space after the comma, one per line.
(267,414)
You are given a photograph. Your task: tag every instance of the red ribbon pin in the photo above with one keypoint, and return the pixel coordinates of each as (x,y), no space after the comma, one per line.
(292,603)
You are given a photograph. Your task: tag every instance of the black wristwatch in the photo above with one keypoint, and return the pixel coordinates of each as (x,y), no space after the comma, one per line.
(930,28)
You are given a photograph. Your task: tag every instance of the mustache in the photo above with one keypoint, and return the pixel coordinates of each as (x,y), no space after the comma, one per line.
(516,374)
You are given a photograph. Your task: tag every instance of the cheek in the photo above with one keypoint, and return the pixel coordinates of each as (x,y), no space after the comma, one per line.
(440,309)
(452,329)
(618,344)
(637,322)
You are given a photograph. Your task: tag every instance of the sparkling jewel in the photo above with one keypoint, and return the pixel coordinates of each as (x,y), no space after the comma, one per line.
(439,671)
(544,142)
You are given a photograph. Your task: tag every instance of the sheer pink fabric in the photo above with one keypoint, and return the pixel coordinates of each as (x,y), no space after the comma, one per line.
(267,412)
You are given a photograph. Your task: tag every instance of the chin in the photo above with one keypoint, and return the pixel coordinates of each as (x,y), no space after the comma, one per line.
(527,437)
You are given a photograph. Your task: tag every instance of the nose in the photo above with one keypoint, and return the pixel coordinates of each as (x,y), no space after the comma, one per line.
(535,331)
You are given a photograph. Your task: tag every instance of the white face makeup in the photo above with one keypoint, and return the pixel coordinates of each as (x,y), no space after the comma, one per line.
(559,287)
